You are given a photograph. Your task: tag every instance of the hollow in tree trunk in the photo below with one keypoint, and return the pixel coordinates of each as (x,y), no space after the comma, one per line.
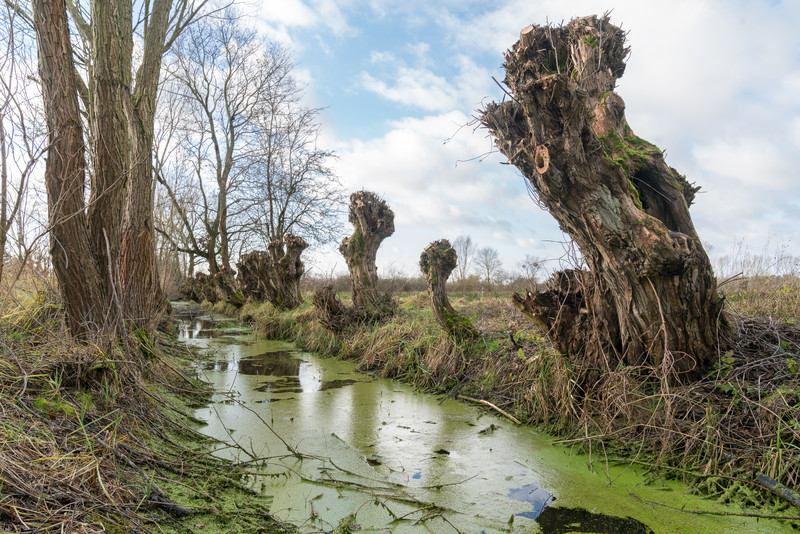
(437,262)
(373,221)
(649,295)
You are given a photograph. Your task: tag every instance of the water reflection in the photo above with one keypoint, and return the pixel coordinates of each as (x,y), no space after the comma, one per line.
(534,495)
(198,328)
(555,520)
(282,363)
(285,371)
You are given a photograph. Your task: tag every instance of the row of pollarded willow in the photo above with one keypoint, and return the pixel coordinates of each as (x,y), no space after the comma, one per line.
(271,275)
(373,221)
(649,295)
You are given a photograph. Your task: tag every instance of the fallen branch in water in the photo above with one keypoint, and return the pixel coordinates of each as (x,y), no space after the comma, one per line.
(490,405)
(780,490)
(718,513)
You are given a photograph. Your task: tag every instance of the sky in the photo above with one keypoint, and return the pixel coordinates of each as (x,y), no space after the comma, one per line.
(714,83)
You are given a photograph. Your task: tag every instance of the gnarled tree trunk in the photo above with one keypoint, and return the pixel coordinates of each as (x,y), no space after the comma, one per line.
(334,315)
(437,262)
(275,274)
(650,295)
(215,287)
(252,275)
(373,221)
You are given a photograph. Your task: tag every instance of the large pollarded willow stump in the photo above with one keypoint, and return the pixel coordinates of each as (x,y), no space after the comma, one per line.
(274,275)
(220,286)
(252,274)
(373,221)
(437,262)
(650,295)
(331,312)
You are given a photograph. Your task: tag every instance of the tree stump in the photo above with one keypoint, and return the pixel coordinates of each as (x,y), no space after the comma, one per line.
(220,286)
(373,221)
(252,275)
(331,313)
(274,275)
(649,296)
(437,262)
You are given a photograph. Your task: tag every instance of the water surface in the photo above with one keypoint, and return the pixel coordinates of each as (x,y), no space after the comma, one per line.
(392,459)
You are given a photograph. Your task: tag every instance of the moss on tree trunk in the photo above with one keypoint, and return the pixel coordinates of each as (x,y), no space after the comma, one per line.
(437,262)
(649,295)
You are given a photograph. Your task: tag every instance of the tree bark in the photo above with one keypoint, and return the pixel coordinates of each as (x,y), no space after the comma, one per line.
(144,298)
(112,49)
(275,274)
(437,262)
(373,221)
(649,296)
(73,262)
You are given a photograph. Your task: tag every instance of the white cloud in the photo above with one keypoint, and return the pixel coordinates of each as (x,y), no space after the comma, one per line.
(432,196)
(414,87)
(714,82)
(281,18)
(421,87)
(289,13)
(794,132)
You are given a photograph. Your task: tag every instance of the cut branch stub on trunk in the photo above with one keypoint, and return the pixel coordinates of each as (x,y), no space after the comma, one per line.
(437,262)
(373,221)
(649,296)
(274,275)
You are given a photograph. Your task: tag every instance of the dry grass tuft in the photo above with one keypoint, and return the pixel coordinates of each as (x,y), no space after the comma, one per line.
(85,442)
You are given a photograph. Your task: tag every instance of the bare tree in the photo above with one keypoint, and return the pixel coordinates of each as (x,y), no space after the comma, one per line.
(294,188)
(488,265)
(103,251)
(22,133)
(465,250)
(243,143)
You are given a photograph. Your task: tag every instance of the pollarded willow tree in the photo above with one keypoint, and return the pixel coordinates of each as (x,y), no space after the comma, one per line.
(274,275)
(373,221)
(97,101)
(649,295)
(436,262)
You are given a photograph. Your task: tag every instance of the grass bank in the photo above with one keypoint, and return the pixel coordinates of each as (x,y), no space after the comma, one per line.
(98,437)
(725,435)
